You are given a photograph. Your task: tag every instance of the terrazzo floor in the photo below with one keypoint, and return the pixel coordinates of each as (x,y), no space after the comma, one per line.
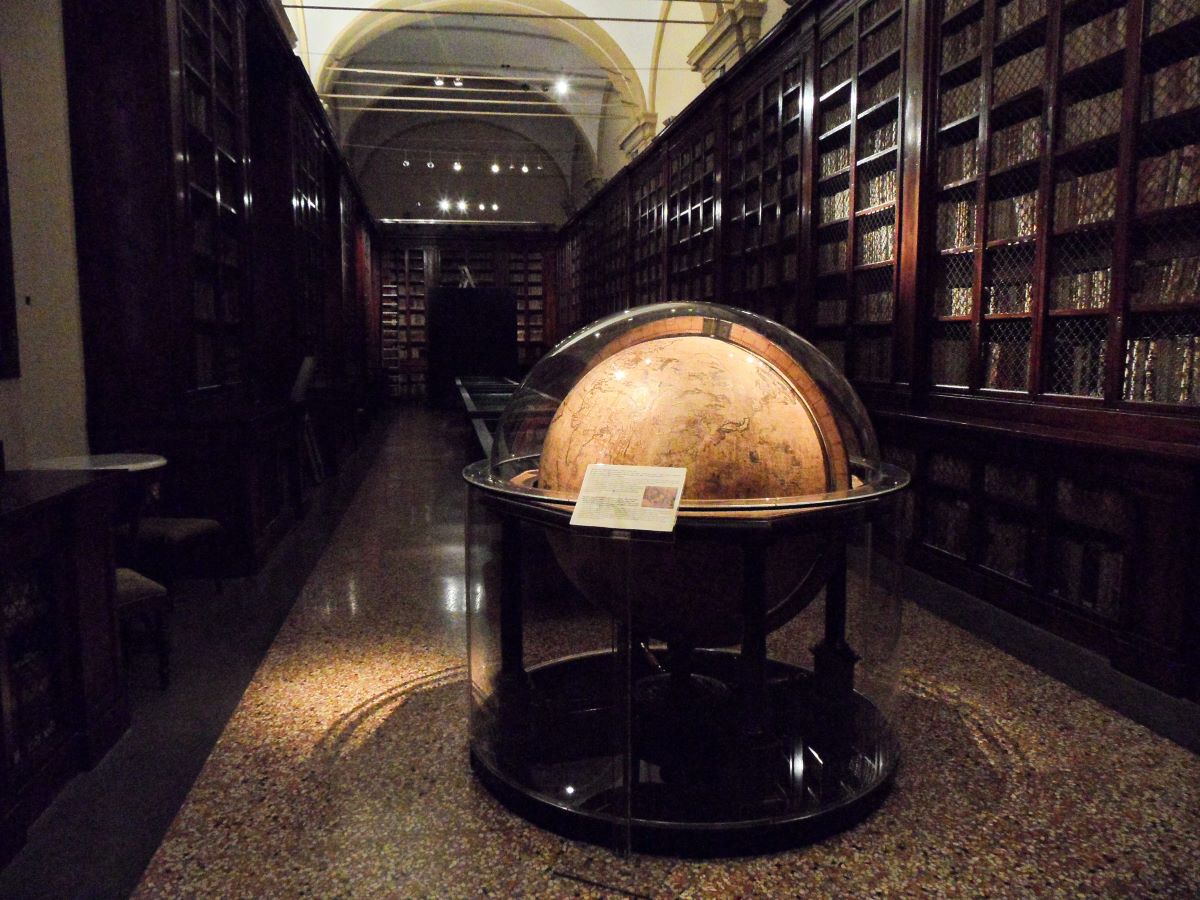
(343,771)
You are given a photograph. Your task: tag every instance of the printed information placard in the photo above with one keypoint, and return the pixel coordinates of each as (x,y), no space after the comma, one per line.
(641,498)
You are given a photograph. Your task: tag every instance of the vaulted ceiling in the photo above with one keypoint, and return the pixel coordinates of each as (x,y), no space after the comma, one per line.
(508,110)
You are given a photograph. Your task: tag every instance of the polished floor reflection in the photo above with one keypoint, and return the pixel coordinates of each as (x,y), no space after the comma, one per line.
(344,771)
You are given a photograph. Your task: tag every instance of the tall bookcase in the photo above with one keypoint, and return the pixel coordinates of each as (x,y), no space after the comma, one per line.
(860,65)
(403,321)
(1068,143)
(213,81)
(763,194)
(693,181)
(993,206)
(526,281)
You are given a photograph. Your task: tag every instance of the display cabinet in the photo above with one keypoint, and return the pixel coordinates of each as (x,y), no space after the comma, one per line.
(648,229)
(693,182)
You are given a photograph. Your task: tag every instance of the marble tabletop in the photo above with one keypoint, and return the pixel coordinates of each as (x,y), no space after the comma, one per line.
(130,462)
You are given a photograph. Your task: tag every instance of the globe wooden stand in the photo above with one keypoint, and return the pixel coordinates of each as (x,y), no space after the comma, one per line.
(721,728)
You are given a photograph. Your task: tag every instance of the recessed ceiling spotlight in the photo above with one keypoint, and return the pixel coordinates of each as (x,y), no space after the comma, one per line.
(524,169)
(439,81)
(458,82)
(495,168)
(511,167)
(462,206)
(495,207)
(539,168)
(444,205)
(482,207)
(429,165)
(406,164)
(562,87)
(457,166)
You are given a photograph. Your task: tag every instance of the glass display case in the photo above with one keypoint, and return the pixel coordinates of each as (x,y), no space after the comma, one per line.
(725,687)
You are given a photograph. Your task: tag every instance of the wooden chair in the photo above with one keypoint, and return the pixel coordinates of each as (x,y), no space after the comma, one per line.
(141,599)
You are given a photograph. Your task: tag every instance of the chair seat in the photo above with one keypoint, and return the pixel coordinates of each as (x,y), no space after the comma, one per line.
(170,530)
(134,588)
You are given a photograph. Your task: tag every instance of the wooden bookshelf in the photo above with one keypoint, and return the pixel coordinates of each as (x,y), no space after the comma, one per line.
(988,213)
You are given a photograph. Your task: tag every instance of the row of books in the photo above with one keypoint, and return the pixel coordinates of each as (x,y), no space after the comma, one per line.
(838,40)
(1075,564)
(878,139)
(835,160)
(962,44)
(1009,297)
(1086,199)
(1171,89)
(958,162)
(1006,365)
(878,189)
(885,88)
(877,245)
(1018,75)
(949,359)
(1097,506)
(955,300)
(873,359)
(1094,39)
(1163,370)
(1163,281)
(1017,14)
(836,72)
(876,306)
(960,102)
(1091,119)
(1162,14)
(880,43)
(1013,217)
(1172,179)
(956,224)
(831,311)
(831,256)
(834,116)
(947,524)
(1017,143)
(1081,290)
(402,354)
(876,12)
(1012,485)
(1006,548)
(954,7)
(835,206)
(1079,369)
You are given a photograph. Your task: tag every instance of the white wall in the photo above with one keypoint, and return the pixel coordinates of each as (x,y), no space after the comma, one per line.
(43,412)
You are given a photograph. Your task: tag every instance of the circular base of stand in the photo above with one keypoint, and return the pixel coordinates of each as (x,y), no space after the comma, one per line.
(712,774)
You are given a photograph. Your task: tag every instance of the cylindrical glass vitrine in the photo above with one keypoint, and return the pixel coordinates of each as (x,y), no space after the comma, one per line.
(725,687)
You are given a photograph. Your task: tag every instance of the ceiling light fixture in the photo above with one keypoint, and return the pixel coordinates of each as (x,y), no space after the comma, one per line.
(495,207)
(444,205)
(562,87)
(482,207)
(524,169)
(458,82)
(430,165)
(439,81)
(462,206)
(495,168)
(406,164)
(457,166)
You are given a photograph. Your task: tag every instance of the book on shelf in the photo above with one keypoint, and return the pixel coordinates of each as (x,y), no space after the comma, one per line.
(1009,297)
(1018,75)
(1085,200)
(960,102)
(1089,289)
(956,224)
(884,89)
(878,190)
(1163,369)
(955,300)
(961,44)
(1172,179)
(1172,89)
(876,306)
(879,139)
(877,244)
(1094,39)
(1017,143)
(1163,14)
(1092,118)
(1013,217)
(958,162)
(1007,366)
(954,7)
(880,43)
(1015,15)
(1161,282)
(1087,369)
(831,311)
(834,116)
(835,160)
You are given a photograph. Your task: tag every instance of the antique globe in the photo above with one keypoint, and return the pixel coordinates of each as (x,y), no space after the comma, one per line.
(761,420)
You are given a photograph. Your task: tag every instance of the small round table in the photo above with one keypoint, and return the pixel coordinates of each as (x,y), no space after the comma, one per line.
(130,462)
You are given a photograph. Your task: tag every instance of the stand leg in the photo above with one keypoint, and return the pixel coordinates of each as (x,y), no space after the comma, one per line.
(754,638)
(833,659)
